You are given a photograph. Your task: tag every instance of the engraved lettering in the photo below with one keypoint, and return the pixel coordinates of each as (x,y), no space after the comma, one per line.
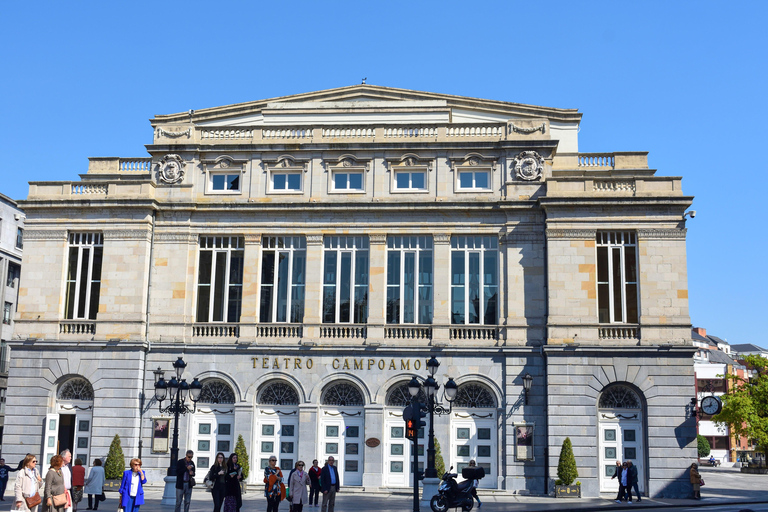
(346,365)
(417,365)
(296,363)
(276,364)
(392,365)
(265,362)
(335,364)
(358,364)
(382,364)
(405,364)
(309,364)
(371,362)
(254,361)
(287,360)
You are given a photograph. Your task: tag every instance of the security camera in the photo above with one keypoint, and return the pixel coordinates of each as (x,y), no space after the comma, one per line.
(691,214)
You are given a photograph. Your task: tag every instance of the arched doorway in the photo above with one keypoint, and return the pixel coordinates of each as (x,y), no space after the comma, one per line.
(342,429)
(69,427)
(621,433)
(277,424)
(474,431)
(213,422)
(397,449)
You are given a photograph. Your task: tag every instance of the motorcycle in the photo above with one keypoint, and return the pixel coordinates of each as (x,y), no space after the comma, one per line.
(452,495)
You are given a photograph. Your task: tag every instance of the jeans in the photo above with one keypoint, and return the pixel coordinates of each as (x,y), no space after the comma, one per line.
(184,493)
(637,491)
(3,485)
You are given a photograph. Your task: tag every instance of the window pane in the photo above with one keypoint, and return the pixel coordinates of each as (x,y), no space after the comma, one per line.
(402,180)
(218,181)
(329,288)
(457,287)
(630,264)
(617,291)
(356,181)
(603,307)
(417,180)
(278,181)
(345,283)
(632,303)
(481,180)
(267,278)
(465,180)
(294,181)
(233,182)
(282,286)
(85,258)
(297,292)
(602,264)
(409,269)
(473,310)
(340,180)
(220,269)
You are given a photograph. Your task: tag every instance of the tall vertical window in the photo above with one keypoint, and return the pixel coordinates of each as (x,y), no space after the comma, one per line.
(14,271)
(19,238)
(220,279)
(7,313)
(283,264)
(84,275)
(409,279)
(617,277)
(345,279)
(474,280)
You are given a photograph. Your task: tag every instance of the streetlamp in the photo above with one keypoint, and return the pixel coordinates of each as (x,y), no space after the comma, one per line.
(431,386)
(527,383)
(176,390)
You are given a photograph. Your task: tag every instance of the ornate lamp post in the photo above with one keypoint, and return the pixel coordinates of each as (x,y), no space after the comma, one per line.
(527,383)
(176,390)
(433,407)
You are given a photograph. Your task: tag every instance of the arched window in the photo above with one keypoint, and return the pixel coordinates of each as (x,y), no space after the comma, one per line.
(278,393)
(618,396)
(76,389)
(399,396)
(343,393)
(216,391)
(473,395)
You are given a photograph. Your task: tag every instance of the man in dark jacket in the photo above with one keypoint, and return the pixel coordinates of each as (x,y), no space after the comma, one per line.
(617,474)
(185,471)
(4,470)
(329,479)
(632,481)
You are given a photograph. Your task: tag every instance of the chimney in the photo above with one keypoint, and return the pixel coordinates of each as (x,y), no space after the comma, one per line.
(700,331)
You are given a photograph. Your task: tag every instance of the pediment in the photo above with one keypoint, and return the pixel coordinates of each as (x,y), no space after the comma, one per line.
(366,104)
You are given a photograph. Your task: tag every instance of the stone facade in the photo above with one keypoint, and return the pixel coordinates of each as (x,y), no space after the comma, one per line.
(308,254)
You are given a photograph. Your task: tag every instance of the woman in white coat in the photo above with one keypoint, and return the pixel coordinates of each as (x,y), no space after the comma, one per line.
(298,484)
(27,483)
(94,485)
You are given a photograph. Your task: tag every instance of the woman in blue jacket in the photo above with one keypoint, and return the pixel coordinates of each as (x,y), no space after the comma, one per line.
(132,487)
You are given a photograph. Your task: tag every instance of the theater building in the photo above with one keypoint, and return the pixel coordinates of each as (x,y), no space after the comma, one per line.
(306,255)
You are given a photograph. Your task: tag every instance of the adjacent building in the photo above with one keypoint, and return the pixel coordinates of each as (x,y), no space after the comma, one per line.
(306,255)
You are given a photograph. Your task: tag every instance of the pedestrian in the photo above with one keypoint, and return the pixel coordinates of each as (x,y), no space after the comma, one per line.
(314,478)
(94,485)
(298,484)
(624,481)
(632,482)
(185,480)
(329,483)
(132,487)
(617,474)
(217,474)
(233,498)
(27,484)
(54,486)
(78,481)
(66,471)
(475,483)
(696,481)
(274,489)
(4,475)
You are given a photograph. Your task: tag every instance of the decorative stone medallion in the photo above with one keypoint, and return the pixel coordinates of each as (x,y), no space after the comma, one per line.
(528,165)
(171,169)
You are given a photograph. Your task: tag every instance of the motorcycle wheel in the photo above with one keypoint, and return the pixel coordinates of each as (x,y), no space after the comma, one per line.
(438,503)
(468,506)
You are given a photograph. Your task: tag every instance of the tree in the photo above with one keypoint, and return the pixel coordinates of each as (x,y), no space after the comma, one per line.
(704,448)
(115,460)
(745,405)
(242,456)
(566,466)
(439,462)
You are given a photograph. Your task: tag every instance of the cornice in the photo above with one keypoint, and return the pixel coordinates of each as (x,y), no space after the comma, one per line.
(571,234)
(45,234)
(171,237)
(661,234)
(127,234)
(517,237)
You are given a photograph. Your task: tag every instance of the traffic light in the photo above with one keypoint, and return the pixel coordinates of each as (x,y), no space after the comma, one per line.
(410,421)
(419,415)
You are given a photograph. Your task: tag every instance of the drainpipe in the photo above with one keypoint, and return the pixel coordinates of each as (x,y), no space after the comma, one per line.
(544,357)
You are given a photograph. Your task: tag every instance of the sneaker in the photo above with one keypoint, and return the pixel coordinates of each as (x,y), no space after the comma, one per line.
(479,504)
(630,502)
(618,501)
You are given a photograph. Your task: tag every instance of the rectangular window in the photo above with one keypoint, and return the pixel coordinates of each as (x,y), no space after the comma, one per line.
(14,271)
(617,277)
(7,313)
(474,180)
(283,263)
(220,279)
(409,279)
(351,181)
(19,238)
(221,182)
(410,180)
(474,280)
(286,181)
(84,275)
(345,279)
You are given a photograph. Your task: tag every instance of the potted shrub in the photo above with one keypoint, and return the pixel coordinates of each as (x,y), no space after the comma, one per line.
(115,465)
(242,459)
(567,473)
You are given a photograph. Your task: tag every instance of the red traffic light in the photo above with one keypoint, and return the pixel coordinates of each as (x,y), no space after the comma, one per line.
(410,429)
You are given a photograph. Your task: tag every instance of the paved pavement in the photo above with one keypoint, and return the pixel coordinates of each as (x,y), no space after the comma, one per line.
(727,490)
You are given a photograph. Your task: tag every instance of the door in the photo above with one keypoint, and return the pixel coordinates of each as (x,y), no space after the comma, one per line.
(475,438)
(342,438)
(211,433)
(620,439)
(278,435)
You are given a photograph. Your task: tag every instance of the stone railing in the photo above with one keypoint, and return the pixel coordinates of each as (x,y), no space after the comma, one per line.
(619,333)
(279,330)
(348,133)
(81,189)
(209,134)
(617,186)
(344,331)
(216,331)
(479,130)
(410,132)
(286,133)
(77,327)
(474,333)
(408,332)
(597,160)
(135,164)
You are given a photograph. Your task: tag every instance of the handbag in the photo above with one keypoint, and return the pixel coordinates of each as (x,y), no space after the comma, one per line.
(33,501)
(101,497)
(207,481)
(59,500)
(701,481)
(192,482)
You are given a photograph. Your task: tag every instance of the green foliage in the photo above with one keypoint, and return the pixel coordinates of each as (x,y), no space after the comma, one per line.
(745,405)
(566,466)
(242,456)
(115,460)
(439,462)
(704,448)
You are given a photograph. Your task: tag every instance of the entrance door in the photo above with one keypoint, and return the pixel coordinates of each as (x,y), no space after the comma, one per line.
(620,439)
(475,439)
(342,437)
(211,433)
(70,429)
(278,435)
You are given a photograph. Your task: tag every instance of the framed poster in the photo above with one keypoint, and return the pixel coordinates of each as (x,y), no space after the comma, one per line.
(161,428)
(523,441)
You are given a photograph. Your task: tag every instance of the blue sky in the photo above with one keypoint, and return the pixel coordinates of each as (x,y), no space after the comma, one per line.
(685,81)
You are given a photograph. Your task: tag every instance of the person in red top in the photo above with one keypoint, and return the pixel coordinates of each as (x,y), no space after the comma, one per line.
(78,481)
(314,481)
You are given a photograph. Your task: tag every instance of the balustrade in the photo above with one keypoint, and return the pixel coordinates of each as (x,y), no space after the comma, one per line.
(344,331)
(216,330)
(77,327)
(620,186)
(135,164)
(226,134)
(619,333)
(597,160)
(80,189)
(287,133)
(474,333)
(348,133)
(279,331)
(411,332)
(484,130)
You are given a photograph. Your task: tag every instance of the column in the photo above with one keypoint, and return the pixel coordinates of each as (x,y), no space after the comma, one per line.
(313,290)
(442,289)
(249,317)
(377,286)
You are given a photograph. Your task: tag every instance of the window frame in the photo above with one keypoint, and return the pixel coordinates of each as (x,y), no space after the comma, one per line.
(7,313)
(350,171)
(617,243)
(229,172)
(277,244)
(481,252)
(419,246)
(332,244)
(13,275)
(474,171)
(20,238)
(216,250)
(82,241)
(395,189)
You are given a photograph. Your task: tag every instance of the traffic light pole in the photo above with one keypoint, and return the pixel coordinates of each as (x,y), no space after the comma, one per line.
(415,450)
